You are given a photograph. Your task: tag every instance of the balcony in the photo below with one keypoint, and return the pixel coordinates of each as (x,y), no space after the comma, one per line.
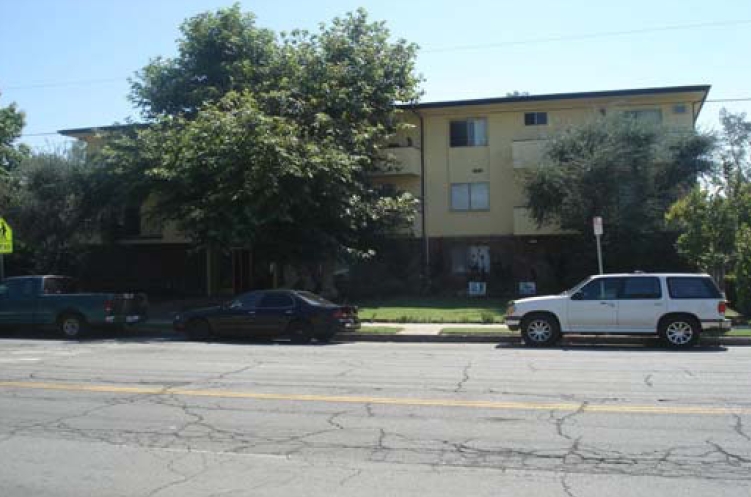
(527,153)
(406,162)
(525,225)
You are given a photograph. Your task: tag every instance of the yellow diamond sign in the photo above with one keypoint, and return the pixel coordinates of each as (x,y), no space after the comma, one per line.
(6,237)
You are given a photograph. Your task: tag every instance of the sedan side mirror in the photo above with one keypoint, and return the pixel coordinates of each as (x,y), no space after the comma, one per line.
(577,296)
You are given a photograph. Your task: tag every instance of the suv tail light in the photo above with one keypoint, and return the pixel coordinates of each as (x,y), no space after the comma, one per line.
(722,307)
(338,314)
(108,306)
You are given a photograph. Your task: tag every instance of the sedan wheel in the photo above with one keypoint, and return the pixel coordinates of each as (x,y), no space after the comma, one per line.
(198,329)
(300,332)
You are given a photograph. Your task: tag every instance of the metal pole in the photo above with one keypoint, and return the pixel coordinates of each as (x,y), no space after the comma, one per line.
(599,253)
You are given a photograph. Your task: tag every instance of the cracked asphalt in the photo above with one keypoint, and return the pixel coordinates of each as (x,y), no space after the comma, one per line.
(132,417)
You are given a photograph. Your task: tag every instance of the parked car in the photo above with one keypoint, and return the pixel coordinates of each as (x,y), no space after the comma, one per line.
(678,307)
(56,302)
(296,314)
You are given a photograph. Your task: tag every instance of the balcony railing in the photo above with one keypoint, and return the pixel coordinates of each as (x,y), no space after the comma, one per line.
(404,161)
(527,153)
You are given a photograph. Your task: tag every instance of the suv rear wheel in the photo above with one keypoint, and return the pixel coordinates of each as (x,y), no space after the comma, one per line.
(680,332)
(540,330)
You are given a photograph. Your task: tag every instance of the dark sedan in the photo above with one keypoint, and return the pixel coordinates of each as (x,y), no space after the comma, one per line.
(299,315)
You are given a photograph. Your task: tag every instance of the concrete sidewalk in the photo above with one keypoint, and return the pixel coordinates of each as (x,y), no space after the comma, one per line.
(432,328)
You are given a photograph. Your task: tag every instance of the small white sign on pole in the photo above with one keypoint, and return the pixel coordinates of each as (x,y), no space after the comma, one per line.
(597,223)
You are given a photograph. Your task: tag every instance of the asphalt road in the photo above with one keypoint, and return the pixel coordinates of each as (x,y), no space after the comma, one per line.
(169,418)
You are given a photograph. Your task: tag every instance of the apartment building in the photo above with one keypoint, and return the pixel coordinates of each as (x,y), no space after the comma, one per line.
(464,159)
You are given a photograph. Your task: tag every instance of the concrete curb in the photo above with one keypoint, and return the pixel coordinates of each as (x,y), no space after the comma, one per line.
(505,339)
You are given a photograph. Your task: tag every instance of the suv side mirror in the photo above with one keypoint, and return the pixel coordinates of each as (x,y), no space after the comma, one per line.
(577,296)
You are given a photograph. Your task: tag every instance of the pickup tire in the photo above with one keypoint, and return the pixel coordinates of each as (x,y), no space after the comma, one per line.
(540,330)
(198,329)
(72,325)
(679,332)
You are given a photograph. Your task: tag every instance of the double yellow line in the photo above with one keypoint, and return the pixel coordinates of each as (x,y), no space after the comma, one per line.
(403,401)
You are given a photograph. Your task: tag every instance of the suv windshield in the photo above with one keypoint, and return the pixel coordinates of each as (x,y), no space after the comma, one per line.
(578,285)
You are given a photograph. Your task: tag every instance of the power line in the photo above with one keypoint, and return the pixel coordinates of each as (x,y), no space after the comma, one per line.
(532,41)
(713,100)
(82,82)
(586,36)
(589,36)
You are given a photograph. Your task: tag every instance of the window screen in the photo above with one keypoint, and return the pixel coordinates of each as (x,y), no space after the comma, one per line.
(470,196)
(468,133)
(535,118)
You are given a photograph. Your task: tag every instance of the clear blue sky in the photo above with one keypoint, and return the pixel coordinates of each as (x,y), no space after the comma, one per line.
(68,43)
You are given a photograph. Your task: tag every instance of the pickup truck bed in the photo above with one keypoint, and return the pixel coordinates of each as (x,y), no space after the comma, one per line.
(53,302)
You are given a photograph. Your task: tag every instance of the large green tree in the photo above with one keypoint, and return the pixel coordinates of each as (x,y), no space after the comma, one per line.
(715,218)
(623,170)
(55,208)
(265,140)
(12,122)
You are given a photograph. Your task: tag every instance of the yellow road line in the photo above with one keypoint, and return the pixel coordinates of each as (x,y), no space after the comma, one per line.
(405,401)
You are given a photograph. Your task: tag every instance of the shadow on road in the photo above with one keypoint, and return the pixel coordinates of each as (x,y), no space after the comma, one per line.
(646,346)
(141,336)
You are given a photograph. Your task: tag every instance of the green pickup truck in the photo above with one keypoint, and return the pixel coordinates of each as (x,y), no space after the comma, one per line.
(55,302)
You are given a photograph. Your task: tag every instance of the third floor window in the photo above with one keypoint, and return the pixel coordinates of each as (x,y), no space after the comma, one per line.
(469,133)
(535,118)
(652,116)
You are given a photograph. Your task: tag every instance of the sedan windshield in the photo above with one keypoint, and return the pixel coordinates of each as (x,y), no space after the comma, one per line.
(312,298)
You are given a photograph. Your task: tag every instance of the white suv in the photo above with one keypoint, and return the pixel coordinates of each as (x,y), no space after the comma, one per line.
(675,306)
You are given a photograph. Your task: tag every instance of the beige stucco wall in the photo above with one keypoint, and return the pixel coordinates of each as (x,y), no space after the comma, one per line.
(494,163)
(512,148)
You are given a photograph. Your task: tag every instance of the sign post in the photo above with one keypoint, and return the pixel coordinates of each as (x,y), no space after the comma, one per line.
(597,225)
(6,244)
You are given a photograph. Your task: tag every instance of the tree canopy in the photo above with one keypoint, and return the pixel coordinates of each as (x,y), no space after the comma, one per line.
(618,168)
(12,122)
(55,207)
(265,140)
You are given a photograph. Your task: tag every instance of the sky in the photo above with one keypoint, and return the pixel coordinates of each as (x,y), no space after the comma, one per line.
(66,63)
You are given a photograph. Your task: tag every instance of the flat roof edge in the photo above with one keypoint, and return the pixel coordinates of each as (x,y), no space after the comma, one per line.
(560,96)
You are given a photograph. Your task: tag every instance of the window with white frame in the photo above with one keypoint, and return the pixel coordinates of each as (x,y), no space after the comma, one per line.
(652,116)
(470,196)
(469,133)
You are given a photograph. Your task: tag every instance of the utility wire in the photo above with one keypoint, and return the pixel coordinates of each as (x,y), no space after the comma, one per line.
(82,82)
(532,41)
(589,36)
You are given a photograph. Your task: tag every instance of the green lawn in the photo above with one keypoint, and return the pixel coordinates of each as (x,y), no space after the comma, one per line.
(381,330)
(433,310)
(477,331)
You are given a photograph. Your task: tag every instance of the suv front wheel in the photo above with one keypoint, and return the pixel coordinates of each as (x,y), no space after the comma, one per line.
(680,332)
(540,330)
